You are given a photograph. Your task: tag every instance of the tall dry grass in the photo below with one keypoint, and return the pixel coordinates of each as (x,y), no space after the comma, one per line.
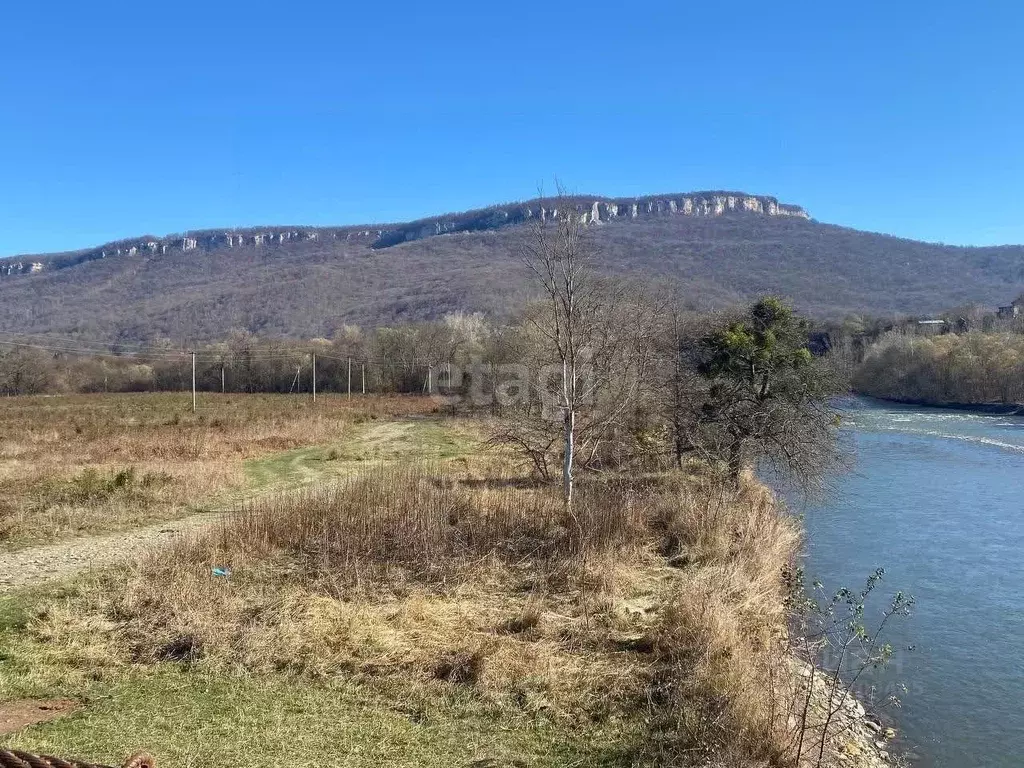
(118,428)
(400,574)
(417,518)
(659,602)
(722,675)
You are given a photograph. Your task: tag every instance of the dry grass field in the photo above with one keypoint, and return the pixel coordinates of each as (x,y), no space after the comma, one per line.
(383,593)
(86,464)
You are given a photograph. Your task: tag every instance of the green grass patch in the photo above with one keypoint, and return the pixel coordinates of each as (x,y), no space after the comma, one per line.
(191,718)
(368,441)
(14,614)
(189,715)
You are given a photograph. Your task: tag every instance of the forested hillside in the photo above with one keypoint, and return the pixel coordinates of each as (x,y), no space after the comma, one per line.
(308,286)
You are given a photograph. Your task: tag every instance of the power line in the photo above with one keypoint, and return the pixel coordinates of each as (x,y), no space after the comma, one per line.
(89,345)
(169,355)
(55,348)
(220,357)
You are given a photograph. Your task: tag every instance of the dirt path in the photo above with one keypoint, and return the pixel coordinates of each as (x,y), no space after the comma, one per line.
(381,442)
(36,565)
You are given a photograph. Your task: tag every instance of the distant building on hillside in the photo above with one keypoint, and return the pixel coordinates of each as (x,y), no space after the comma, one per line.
(931,326)
(1009,312)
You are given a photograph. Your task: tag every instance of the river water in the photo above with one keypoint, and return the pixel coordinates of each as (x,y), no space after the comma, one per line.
(936,497)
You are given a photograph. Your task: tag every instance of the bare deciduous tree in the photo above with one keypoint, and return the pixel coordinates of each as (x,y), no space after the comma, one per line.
(589,342)
(24,371)
(558,258)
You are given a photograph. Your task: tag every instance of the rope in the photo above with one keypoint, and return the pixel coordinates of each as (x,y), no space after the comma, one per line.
(16,759)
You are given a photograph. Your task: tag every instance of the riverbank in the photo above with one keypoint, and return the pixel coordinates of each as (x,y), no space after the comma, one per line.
(968,370)
(864,740)
(439,611)
(631,645)
(985,409)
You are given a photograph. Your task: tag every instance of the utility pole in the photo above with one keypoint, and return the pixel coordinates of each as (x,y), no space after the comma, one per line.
(362,369)
(193,382)
(222,390)
(430,379)
(314,376)
(350,378)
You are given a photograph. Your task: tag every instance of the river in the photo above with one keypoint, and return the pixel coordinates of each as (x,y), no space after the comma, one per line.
(936,497)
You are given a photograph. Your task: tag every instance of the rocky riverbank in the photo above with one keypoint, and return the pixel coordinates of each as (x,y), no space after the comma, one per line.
(857,738)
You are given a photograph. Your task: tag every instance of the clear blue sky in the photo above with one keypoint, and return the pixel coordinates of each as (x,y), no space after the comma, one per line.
(137,117)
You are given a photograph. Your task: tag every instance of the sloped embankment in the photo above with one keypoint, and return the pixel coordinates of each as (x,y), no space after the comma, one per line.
(649,627)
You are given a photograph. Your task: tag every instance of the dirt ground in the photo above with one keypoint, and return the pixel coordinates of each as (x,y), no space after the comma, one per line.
(15,715)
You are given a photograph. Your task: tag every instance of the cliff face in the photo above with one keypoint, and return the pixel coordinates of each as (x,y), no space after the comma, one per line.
(208,240)
(591,210)
(19,267)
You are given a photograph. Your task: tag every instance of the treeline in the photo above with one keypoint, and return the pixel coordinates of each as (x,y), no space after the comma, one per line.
(403,359)
(648,379)
(967,368)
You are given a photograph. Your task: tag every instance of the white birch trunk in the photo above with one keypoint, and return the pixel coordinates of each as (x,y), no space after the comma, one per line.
(568,385)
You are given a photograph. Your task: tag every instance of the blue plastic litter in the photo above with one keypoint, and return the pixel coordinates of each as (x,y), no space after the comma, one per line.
(222,572)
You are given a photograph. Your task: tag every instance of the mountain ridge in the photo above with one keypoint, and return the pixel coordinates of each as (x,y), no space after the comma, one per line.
(592,209)
(313,281)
